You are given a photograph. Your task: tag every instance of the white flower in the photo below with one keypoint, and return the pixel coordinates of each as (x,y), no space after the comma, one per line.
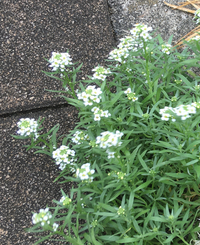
(84,173)
(166,48)
(128,91)
(105,114)
(90,95)
(44,216)
(110,154)
(55,226)
(182,110)
(59,61)
(165,117)
(64,156)
(27,127)
(108,139)
(97,117)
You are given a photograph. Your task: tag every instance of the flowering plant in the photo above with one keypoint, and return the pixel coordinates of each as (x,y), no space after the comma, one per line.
(135,153)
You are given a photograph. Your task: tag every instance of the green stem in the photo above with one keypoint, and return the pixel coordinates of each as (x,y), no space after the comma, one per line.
(183,240)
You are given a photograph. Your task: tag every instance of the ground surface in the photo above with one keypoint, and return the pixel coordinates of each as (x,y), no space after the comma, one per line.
(30,31)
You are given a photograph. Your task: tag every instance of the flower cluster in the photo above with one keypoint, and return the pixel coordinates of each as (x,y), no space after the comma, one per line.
(183,111)
(131,43)
(65,200)
(130,95)
(80,136)
(100,73)
(121,211)
(84,173)
(119,54)
(196,38)
(44,218)
(141,32)
(64,156)
(28,127)
(98,113)
(59,61)
(128,42)
(166,48)
(119,175)
(90,95)
(197,16)
(109,139)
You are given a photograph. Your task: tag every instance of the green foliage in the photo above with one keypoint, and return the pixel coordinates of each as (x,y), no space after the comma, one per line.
(148,193)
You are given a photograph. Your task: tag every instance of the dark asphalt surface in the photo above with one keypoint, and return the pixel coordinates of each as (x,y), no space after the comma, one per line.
(30,31)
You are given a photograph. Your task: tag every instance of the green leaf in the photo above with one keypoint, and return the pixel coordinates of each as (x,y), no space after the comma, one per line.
(197,169)
(193,144)
(142,186)
(191,162)
(159,219)
(170,238)
(107,207)
(43,152)
(136,226)
(167,181)
(110,238)
(177,175)
(106,214)
(131,200)
(128,240)
(143,163)
(115,99)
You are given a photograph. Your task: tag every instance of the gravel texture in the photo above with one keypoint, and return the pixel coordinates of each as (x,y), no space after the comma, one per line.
(27,179)
(31,30)
(165,20)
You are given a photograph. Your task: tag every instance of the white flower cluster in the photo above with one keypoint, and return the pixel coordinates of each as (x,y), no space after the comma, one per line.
(131,43)
(197,16)
(44,217)
(196,38)
(119,54)
(98,113)
(183,111)
(130,95)
(90,95)
(80,136)
(109,139)
(65,200)
(141,31)
(128,42)
(59,61)
(27,127)
(64,156)
(84,173)
(100,73)
(166,48)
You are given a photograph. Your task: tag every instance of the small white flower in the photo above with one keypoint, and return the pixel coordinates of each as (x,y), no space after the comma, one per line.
(128,91)
(165,117)
(95,109)
(84,173)
(55,226)
(110,154)
(97,117)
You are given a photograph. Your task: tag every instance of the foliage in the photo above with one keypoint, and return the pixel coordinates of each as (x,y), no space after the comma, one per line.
(135,152)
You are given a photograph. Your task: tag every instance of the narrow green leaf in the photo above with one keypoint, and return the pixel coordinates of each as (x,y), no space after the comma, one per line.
(197,169)
(131,200)
(177,175)
(142,186)
(143,163)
